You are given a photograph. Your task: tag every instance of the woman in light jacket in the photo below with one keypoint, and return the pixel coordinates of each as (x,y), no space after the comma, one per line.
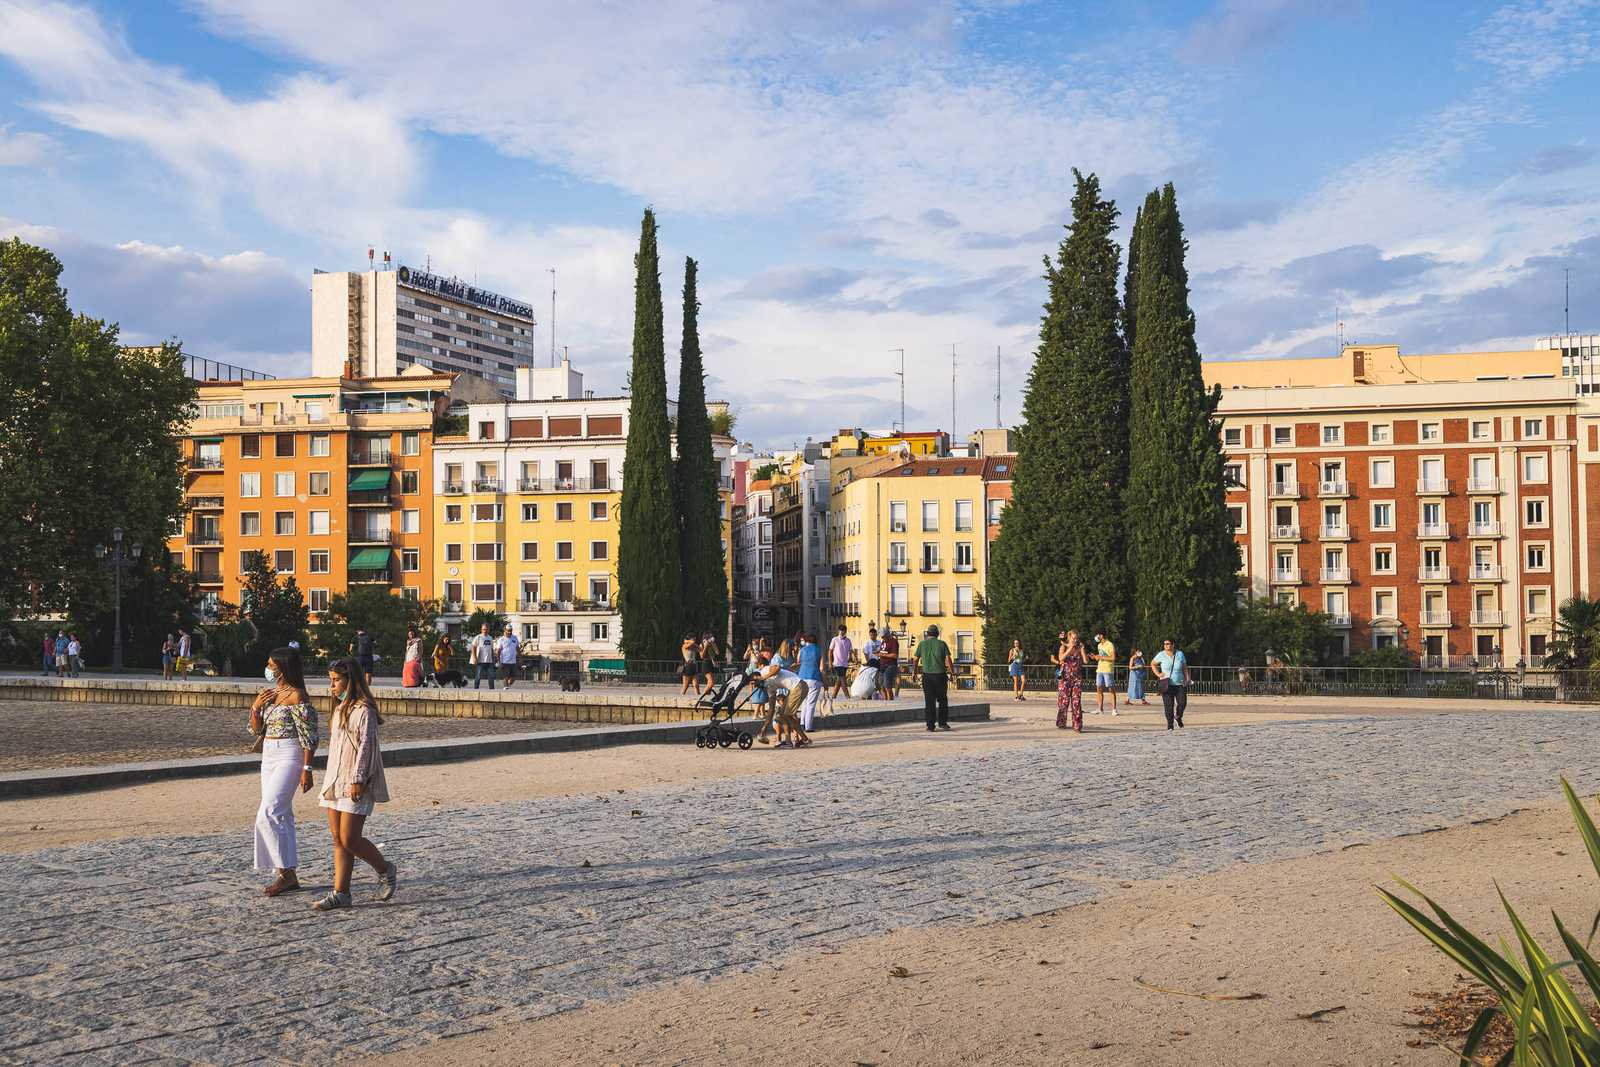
(353,782)
(282,717)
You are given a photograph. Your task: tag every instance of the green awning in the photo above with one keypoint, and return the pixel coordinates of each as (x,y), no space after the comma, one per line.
(370,559)
(311,396)
(208,440)
(369,480)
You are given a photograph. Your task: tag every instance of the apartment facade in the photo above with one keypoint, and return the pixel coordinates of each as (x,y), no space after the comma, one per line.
(753,573)
(1442,503)
(325,477)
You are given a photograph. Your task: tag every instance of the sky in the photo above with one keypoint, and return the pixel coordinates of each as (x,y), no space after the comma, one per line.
(854,177)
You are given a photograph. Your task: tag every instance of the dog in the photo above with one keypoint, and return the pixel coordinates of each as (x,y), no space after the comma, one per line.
(455,678)
(569,685)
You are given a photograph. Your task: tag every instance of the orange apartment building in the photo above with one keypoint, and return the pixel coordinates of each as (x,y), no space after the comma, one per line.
(1444,503)
(330,478)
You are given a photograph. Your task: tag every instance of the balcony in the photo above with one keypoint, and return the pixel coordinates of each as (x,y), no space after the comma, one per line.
(205,463)
(567,485)
(1335,531)
(932,611)
(208,577)
(1339,620)
(205,503)
(964,610)
(1483,485)
(1285,489)
(370,498)
(1286,533)
(452,607)
(205,537)
(899,568)
(486,485)
(1335,575)
(364,458)
(1333,487)
(1433,574)
(1487,618)
(382,577)
(931,568)
(1486,528)
(963,568)
(1485,572)
(1433,486)
(371,537)
(1436,618)
(451,489)
(1433,530)
(899,611)
(1288,575)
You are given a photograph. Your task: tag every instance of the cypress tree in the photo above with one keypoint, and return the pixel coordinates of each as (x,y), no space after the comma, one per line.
(1130,287)
(1059,559)
(647,559)
(1180,546)
(704,596)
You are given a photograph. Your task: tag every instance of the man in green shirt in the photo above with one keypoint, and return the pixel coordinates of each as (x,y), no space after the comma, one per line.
(933,667)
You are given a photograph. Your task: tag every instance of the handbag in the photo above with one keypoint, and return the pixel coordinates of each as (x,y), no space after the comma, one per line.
(260,733)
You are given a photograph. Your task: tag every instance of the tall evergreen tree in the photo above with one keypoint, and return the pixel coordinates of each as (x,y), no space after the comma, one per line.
(1180,545)
(1058,561)
(1130,286)
(647,558)
(703,581)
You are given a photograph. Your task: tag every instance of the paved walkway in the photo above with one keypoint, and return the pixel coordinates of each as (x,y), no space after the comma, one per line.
(157,949)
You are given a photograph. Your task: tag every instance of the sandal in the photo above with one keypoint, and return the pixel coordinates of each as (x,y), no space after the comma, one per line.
(286,882)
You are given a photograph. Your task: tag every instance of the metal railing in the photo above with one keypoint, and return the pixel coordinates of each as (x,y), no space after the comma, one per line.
(1486,618)
(364,458)
(1436,618)
(569,485)
(1433,574)
(1486,572)
(1491,528)
(486,485)
(205,503)
(1333,487)
(1336,574)
(1433,486)
(371,537)
(1286,574)
(1286,533)
(1289,489)
(1433,529)
(205,463)
(1335,531)
(1483,485)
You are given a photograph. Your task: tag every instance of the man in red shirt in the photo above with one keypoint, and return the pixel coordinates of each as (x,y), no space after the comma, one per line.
(889,665)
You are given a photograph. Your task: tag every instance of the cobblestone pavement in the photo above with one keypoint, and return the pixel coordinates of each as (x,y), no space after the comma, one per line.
(158,950)
(42,733)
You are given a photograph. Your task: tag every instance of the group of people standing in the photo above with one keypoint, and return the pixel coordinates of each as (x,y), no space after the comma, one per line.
(701,661)
(63,654)
(284,724)
(1072,655)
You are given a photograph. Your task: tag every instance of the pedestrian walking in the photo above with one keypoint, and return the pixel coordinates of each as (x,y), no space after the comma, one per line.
(364,652)
(889,665)
(185,654)
(1172,675)
(411,669)
(1070,659)
(810,671)
(169,655)
(932,665)
(61,654)
(481,652)
(869,658)
(690,670)
(1105,673)
(285,729)
(74,655)
(353,783)
(1017,670)
(1136,669)
(441,657)
(710,658)
(506,650)
(839,650)
(49,653)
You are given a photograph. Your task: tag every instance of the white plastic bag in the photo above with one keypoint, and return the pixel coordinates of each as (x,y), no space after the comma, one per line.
(866,681)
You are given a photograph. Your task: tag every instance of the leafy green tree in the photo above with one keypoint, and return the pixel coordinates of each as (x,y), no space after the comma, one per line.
(703,579)
(1058,561)
(89,440)
(723,421)
(1297,636)
(476,621)
(648,557)
(385,616)
(158,596)
(1180,544)
(1391,657)
(276,609)
(1575,644)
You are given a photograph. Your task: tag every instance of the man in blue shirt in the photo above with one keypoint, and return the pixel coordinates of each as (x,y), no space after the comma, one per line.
(809,669)
(1172,672)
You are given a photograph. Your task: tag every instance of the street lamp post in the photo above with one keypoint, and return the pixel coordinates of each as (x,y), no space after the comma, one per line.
(118,559)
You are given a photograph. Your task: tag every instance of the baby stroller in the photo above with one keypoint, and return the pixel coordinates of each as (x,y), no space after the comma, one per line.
(724,700)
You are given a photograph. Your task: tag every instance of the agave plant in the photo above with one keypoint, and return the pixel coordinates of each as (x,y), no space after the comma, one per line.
(1552,1027)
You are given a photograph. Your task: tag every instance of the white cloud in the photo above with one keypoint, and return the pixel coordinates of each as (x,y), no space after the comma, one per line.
(25,148)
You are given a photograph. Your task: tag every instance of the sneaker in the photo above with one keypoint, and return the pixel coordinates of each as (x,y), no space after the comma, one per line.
(389,878)
(785,744)
(332,902)
(1114,711)
(944,726)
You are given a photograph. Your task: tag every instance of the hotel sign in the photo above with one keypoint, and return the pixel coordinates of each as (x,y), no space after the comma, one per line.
(456,289)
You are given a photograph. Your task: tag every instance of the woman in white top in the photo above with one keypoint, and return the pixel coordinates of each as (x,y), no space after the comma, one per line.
(354,782)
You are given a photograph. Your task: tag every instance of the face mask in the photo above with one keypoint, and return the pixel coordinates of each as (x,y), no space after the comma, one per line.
(271,675)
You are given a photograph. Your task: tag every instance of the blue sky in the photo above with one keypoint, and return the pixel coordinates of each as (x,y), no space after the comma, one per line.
(852,177)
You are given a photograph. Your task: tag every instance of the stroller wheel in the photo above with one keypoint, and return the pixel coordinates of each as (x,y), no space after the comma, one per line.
(745,740)
(711,741)
(724,739)
(700,738)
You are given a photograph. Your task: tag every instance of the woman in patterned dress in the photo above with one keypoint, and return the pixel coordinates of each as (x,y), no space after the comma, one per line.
(1070,658)
(283,718)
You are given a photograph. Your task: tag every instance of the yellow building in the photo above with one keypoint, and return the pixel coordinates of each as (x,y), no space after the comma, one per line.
(907,548)
(1382,365)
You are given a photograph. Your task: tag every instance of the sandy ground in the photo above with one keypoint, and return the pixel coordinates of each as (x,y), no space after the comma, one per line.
(1310,934)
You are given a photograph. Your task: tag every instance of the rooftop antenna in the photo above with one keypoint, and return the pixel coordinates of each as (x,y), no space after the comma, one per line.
(997,386)
(901,373)
(1566,302)
(952,393)
(552,316)
(1340,321)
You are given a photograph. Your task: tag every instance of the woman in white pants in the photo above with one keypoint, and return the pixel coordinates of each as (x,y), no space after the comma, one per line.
(283,718)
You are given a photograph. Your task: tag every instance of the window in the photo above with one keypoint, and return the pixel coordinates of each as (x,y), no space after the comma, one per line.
(899,600)
(317,600)
(1233,436)
(283,447)
(564,479)
(410,481)
(283,483)
(1533,512)
(1383,516)
(1283,435)
(599,474)
(530,551)
(1532,428)
(1536,468)
(486,592)
(599,510)
(1333,435)
(1383,601)
(1335,603)
(250,524)
(486,431)
(964,556)
(963,515)
(486,551)
(319,483)
(452,595)
(410,559)
(1482,430)
(250,446)
(283,560)
(1433,519)
(930,556)
(899,557)
(1383,559)
(452,552)
(600,590)
(563,631)
(563,550)
(564,511)
(930,515)
(283,523)
(1380,433)
(599,631)
(250,484)
(410,443)
(599,550)
(317,561)
(1537,559)
(897,516)
(995,508)
(411,521)
(530,513)
(319,444)
(930,600)
(452,513)
(530,631)
(1236,518)
(1233,475)
(1536,647)
(1430,431)
(1382,473)
(487,512)
(318,521)
(248,559)
(964,601)
(1538,602)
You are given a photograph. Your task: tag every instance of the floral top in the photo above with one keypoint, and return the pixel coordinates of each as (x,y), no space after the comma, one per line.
(297,721)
